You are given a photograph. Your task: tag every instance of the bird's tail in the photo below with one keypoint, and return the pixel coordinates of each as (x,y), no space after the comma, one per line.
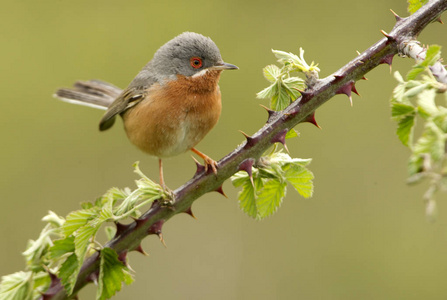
(92,93)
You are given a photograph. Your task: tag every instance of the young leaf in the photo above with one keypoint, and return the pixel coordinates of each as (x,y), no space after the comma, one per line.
(270,198)
(68,273)
(431,142)
(291,134)
(426,101)
(62,247)
(77,219)
(300,178)
(281,100)
(405,129)
(414,5)
(399,110)
(112,273)
(432,55)
(17,286)
(272,73)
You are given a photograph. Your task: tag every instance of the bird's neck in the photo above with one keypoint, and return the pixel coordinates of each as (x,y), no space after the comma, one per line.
(205,82)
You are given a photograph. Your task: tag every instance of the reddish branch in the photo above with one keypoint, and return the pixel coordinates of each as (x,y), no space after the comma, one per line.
(128,237)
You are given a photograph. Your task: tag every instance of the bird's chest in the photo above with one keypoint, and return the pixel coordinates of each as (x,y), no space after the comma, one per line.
(173,118)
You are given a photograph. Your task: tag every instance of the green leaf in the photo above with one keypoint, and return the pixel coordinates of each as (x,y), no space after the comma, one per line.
(399,110)
(431,142)
(414,5)
(432,55)
(426,102)
(112,274)
(77,219)
(270,197)
(300,178)
(280,101)
(68,273)
(415,71)
(291,134)
(17,286)
(62,247)
(247,197)
(272,73)
(415,164)
(110,232)
(413,91)
(405,129)
(441,121)
(268,92)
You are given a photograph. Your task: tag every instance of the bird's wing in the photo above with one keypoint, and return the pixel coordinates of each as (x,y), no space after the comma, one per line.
(128,98)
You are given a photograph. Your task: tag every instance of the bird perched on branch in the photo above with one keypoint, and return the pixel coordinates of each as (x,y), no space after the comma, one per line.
(170,105)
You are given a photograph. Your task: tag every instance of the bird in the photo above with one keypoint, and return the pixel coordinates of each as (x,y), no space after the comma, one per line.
(171,104)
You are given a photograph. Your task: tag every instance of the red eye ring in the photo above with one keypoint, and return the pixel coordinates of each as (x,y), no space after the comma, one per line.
(196,62)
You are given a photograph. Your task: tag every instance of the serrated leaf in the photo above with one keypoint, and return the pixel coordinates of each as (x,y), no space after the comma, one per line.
(268,92)
(247,197)
(291,134)
(415,71)
(432,55)
(399,110)
(426,101)
(414,91)
(68,273)
(82,240)
(271,73)
(17,286)
(441,121)
(431,142)
(414,5)
(280,101)
(405,129)
(112,274)
(415,164)
(62,247)
(301,179)
(270,197)
(77,219)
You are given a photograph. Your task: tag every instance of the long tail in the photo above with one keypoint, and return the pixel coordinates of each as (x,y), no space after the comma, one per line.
(92,93)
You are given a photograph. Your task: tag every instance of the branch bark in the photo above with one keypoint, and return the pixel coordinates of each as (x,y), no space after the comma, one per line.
(242,158)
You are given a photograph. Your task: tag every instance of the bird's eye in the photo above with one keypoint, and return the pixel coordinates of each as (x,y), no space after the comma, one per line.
(196,62)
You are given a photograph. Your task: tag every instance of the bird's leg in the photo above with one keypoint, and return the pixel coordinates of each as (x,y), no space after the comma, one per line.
(209,162)
(160,168)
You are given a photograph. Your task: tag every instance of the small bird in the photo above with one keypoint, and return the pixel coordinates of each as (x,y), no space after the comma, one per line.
(172,103)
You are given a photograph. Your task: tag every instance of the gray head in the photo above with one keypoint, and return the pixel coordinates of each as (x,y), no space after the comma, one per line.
(187,54)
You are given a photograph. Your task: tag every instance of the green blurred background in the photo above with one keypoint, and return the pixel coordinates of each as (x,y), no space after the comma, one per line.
(363,235)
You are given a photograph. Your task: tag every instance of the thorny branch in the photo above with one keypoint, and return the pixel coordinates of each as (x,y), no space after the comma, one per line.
(128,237)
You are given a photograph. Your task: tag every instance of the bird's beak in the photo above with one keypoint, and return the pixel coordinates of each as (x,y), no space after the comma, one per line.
(223,66)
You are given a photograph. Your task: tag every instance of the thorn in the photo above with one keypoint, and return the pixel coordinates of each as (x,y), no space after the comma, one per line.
(189,212)
(311,119)
(358,52)
(122,257)
(160,236)
(388,37)
(139,222)
(280,137)
(364,78)
(439,20)
(354,89)
(156,227)
(140,249)
(93,277)
(247,166)
(220,191)
(200,168)
(250,140)
(346,89)
(120,228)
(271,112)
(398,18)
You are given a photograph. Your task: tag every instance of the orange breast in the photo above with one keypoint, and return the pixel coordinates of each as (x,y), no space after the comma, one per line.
(176,115)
